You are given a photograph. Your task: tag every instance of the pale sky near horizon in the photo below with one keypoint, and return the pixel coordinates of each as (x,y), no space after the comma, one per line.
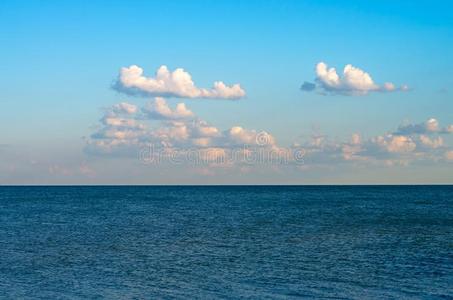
(226,92)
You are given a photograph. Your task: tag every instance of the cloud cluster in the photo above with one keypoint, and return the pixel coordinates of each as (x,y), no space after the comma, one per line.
(353,82)
(126,130)
(416,143)
(123,133)
(178,84)
(428,127)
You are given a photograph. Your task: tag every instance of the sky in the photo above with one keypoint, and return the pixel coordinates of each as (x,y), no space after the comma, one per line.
(226,92)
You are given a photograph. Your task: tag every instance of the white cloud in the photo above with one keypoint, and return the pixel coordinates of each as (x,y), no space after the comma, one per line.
(353,81)
(397,144)
(179,131)
(203,130)
(159,109)
(178,83)
(431,142)
(351,150)
(416,143)
(119,110)
(240,135)
(121,122)
(177,127)
(430,126)
(124,107)
(116,133)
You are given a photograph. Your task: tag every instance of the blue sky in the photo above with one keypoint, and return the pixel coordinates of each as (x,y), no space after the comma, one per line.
(60,59)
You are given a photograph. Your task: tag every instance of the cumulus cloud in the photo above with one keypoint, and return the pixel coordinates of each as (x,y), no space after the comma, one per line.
(418,142)
(240,136)
(395,143)
(308,86)
(430,126)
(159,109)
(120,122)
(119,126)
(124,107)
(121,132)
(178,83)
(353,81)
(178,131)
(431,142)
(201,129)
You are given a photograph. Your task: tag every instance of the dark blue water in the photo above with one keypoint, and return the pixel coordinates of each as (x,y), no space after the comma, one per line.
(226,242)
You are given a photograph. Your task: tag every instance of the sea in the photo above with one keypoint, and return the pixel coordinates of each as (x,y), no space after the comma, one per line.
(226,242)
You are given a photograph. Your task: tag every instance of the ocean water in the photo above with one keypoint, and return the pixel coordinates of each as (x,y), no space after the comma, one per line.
(363,242)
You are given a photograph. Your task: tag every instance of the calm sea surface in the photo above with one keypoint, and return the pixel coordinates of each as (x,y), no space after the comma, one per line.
(226,242)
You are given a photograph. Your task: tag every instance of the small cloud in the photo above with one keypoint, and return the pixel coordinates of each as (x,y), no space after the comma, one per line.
(433,143)
(308,86)
(159,109)
(430,126)
(353,82)
(177,84)
(124,107)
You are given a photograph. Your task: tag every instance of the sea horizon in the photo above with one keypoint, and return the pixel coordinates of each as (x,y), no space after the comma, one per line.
(226,185)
